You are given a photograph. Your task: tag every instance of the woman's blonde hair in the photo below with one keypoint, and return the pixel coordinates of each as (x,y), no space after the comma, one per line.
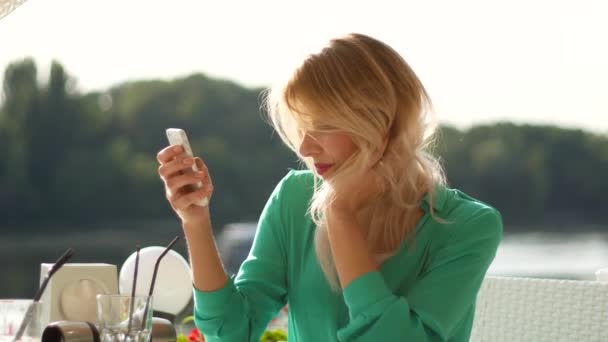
(361,86)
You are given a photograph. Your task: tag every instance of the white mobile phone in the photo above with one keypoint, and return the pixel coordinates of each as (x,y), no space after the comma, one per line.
(177,136)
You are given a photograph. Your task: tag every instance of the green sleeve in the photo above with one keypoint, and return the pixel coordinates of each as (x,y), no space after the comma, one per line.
(441,299)
(241,310)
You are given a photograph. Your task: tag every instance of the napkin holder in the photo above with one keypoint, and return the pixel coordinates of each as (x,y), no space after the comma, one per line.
(71,294)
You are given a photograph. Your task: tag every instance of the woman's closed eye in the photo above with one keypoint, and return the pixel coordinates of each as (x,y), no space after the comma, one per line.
(324,128)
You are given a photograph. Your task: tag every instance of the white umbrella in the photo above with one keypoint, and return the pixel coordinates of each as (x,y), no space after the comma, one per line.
(7,6)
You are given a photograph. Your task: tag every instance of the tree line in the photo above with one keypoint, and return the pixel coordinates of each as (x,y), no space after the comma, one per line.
(88,157)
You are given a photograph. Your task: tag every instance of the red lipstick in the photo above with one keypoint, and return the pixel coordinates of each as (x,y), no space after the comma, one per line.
(322,168)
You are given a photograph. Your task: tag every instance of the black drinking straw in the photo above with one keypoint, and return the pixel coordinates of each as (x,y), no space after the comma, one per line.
(143,322)
(133,290)
(28,315)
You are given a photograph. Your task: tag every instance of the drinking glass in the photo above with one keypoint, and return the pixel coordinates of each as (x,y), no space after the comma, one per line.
(12,313)
(121,319)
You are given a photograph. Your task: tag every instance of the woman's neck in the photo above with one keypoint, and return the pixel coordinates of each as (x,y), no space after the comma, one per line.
(373,220)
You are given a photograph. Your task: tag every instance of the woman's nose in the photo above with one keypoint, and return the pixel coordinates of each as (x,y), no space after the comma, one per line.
(309,146)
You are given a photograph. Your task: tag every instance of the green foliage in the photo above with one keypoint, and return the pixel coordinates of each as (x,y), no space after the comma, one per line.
(92,157)
(276,335)
(533,174)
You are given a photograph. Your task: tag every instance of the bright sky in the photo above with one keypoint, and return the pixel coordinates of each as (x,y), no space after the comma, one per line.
(481,60)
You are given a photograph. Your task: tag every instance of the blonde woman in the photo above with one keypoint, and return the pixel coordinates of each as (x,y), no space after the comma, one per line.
(368,244)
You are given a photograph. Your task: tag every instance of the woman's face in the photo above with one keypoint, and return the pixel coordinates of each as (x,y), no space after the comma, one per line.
(328,150)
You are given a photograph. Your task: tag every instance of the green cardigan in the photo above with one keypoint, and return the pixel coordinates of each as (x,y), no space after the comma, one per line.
(426,292)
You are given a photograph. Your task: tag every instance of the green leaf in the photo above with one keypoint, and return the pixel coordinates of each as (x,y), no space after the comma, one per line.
(276,335)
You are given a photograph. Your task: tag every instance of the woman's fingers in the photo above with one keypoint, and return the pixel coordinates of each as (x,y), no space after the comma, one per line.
(182,201)
(171,168)
(207,183)
(200,163)
(169,153)
(187,180)
(181,183)
(203,168)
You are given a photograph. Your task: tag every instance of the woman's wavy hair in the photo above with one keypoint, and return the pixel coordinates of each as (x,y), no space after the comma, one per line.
(361,86)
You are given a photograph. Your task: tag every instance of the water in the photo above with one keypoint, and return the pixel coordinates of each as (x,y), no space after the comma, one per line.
(548,255)
(537,254)
(551,255)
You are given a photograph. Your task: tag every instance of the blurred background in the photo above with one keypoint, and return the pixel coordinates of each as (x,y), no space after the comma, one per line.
(89,87)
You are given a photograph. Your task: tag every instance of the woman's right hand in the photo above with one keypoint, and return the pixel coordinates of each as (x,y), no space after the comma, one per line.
(174,170)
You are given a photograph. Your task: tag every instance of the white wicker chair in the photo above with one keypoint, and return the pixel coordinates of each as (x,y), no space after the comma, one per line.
(538,310)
